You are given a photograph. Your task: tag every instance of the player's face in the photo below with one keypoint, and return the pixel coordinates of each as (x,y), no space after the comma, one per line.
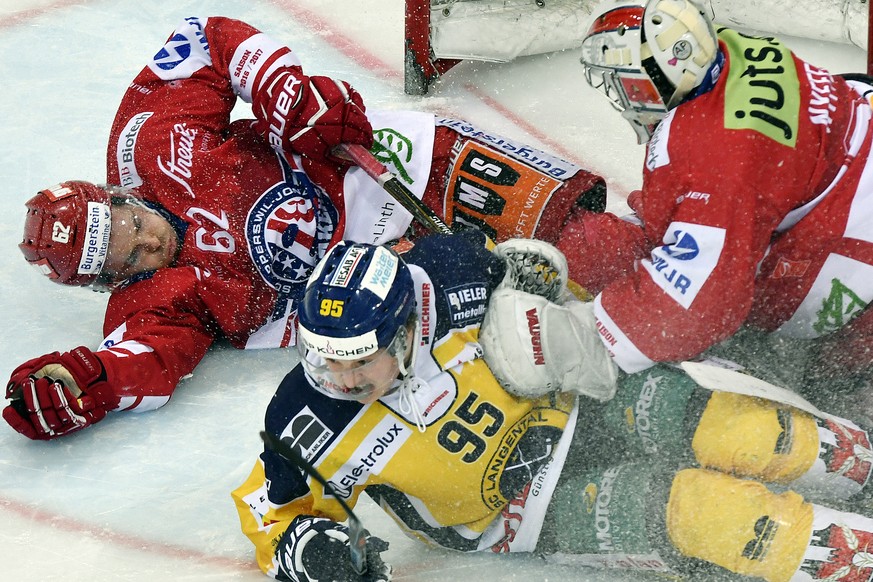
(140,240)
(366,379)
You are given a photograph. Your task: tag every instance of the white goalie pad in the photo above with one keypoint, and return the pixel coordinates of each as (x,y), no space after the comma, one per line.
(720,379)
(502,30)
(534,347)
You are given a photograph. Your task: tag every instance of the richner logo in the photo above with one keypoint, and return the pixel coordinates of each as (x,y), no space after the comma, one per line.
(425,313)
(466,303)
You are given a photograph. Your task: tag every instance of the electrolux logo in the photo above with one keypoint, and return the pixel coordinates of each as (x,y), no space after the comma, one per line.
(373,454)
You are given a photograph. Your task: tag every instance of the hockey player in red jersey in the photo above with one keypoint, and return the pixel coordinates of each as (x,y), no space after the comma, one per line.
(756,206)
(211,227)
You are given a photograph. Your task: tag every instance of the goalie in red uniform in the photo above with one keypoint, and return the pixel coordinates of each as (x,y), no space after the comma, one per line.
(756,207)
(755,210)
(212,227)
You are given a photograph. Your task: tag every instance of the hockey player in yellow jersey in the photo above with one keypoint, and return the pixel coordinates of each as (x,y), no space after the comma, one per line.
(564,456)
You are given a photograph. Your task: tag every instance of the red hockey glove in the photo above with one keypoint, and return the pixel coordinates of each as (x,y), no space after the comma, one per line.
(312,115)
(57,394)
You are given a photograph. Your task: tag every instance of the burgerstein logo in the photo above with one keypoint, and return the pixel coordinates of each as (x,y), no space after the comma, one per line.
(286,228)
(96,239)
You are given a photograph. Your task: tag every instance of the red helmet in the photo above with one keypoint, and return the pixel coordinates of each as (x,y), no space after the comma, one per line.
(66,232)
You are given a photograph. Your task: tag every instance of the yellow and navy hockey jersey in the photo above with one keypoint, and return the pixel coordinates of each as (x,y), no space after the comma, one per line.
(478,477)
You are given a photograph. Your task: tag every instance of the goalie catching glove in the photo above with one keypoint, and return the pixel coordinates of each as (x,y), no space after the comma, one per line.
(534,266)
(315,549)
(534,347)
(537,337)
(58,394)
(310,116)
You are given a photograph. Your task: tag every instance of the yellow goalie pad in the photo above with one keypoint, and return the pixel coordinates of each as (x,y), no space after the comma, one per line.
(753,437)
(739,525)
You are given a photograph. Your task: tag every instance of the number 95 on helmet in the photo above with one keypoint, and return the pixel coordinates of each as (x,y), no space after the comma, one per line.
(647,59)
(357,322)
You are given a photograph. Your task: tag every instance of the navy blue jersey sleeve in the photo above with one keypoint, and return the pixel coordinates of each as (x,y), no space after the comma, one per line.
(307,421)
(464,273)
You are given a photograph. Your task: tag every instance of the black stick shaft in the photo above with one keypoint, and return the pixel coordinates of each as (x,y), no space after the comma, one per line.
(376,170)
(357,533)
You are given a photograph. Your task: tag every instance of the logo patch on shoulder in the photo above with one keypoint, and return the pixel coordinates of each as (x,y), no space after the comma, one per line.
(466,303)
(685,261)
(306,434)
(184,53)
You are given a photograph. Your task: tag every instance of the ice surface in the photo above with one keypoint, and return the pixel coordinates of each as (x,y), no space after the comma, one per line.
(146,497)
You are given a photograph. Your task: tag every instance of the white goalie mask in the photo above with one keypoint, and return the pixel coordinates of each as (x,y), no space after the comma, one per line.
(647,58)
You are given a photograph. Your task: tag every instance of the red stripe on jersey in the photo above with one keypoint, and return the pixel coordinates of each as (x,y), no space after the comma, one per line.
(265,66)
(136,402)
(627,16)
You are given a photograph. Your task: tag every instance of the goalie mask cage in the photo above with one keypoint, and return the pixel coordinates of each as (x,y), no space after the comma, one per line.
(441,33)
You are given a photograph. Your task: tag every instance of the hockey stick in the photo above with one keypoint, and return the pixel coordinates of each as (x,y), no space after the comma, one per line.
(376,170)
(357,533)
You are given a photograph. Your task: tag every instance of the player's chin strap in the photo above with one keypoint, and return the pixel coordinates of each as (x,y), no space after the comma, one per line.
(409,383)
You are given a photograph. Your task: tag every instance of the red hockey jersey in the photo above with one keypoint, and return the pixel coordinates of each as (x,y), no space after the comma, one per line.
(756,207)
(252,222)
